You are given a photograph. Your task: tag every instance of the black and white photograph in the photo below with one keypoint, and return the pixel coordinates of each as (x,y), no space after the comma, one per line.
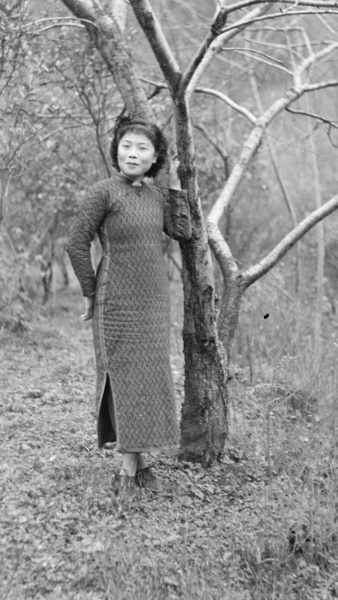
(168,300)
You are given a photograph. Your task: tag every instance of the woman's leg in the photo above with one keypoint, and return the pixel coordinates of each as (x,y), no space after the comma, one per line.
(132,462)
(129,465)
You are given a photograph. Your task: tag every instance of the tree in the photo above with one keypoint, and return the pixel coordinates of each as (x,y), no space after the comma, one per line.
(207,336)
(12,69)
(54,101)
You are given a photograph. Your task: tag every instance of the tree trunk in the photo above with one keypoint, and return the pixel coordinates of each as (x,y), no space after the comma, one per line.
(119,11)
(109,40)
(203,423)
(204,414)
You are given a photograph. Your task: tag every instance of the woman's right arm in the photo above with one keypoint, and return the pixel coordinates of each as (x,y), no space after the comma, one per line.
(87,222)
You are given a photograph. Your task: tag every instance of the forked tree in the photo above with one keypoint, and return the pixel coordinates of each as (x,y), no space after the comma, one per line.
(208,333)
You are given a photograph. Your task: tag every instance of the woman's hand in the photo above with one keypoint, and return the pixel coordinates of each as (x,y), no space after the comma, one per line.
(89,308)
(174,180)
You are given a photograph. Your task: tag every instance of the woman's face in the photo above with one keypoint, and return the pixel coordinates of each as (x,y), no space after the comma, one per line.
(135,155)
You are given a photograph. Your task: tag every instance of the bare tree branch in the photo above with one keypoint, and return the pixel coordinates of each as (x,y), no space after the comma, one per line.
(321,85)
(192,77)
(257,133)
(69,20)
(192,38)
(261,57)
(61,129)
(222,252)
(280,15)
(211,92)
(307,62)
(212,142)
(254,273)
(82,9)
(159,84)
(248,3)
(152,28)
(249,149)
(313,116)
(285,194)
(119,12)
(327,25)
(233,288)
(215,31)
(43,29)
(111,43)
(240,109)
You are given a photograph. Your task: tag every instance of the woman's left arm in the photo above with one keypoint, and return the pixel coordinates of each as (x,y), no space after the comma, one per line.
(177,218)
(86,224)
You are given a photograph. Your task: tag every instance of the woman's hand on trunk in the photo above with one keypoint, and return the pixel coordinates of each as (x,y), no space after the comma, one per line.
(174,180)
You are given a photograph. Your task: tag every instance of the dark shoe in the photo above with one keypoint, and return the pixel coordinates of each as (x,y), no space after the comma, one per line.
(127,489)
(146,479)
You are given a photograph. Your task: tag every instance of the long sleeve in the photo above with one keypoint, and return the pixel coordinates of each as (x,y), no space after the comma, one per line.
(86,224)
(177,219)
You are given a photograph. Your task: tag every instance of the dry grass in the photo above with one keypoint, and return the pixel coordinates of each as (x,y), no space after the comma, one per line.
(260,524)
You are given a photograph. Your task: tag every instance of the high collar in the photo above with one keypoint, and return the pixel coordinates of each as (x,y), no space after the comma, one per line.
(136,184)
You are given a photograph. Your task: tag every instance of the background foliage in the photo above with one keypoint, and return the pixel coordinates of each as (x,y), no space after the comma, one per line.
(59,104)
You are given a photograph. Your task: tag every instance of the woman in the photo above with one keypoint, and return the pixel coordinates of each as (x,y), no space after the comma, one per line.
(128,298)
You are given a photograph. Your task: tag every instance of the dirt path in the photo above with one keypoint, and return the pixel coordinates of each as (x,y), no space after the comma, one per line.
(63,535)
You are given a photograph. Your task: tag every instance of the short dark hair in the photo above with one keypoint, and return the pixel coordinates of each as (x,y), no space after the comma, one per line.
(125,124)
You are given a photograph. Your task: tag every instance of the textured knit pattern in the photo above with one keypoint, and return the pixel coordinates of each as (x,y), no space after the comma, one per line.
(131,322)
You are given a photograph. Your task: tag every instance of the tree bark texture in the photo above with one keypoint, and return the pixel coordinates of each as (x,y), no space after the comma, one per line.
(109,41)
(204,413)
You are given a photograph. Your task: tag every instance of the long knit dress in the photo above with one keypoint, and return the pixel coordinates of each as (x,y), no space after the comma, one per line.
(131,321)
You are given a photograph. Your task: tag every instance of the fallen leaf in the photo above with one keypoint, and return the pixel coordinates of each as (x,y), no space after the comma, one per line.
(198,493)
(226,556)
(171,581)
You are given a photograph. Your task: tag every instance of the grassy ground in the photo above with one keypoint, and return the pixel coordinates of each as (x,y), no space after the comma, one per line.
(261,524)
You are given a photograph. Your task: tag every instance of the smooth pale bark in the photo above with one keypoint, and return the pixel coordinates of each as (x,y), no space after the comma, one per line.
(214,43)
(109,40)
(233,288)
(255,137)
(286,196)
(235,281)
(119,12)
(252,274)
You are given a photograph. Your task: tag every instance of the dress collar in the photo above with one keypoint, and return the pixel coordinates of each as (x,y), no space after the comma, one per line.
(136,184)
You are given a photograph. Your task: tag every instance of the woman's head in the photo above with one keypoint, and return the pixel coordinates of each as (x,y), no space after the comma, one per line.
(138,148)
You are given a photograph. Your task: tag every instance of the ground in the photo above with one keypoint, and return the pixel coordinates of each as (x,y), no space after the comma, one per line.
(261,523)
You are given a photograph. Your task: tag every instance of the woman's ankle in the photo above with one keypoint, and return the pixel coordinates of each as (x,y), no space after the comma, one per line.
(129,464)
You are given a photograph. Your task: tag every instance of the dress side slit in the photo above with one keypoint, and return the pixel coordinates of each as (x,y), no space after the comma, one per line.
(107,419)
